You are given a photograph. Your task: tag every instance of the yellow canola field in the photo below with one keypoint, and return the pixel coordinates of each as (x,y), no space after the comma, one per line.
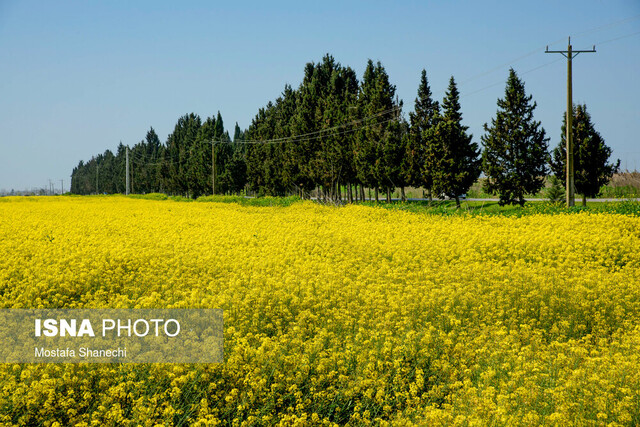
(351,315)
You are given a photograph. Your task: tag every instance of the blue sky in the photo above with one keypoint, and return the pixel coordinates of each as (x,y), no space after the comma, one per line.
(77,78)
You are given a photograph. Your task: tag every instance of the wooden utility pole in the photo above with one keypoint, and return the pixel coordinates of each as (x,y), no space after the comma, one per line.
(127,172)
(570,54)
(213,168)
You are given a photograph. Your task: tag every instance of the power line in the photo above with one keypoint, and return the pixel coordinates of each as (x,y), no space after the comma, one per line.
(537,50)
(619,38)
(606,26)
(501,66)
(296,139)
(552,62)
(313,134)
(502,82)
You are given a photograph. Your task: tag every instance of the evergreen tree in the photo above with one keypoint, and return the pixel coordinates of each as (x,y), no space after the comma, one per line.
(590,156)
(555,192)
(153,157)
(392,148)
(264,160)
(366,146)
(380,140)
(223,152)
(451,159)
(348,108)
(423,118)
(238,165)
(515,147)
(238,134)
(199,161)
(179,147)
(285,110)
(304,122)
(112,179)
(333,159)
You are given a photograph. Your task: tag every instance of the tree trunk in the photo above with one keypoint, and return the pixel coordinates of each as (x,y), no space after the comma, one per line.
(402,195)
(584,200)
(361,193)
(457,202)
(376,192)
(430,197)
(350,193)
(388,195)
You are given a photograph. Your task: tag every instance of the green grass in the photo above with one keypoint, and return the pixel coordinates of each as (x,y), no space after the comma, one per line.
(241,200)
(493,208)
(436,207)
(254,201)
(622,192)
(150,196)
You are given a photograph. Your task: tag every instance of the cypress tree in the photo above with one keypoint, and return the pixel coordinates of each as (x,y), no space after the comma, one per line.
(515,147)
(378,149)
(451,158)
(424,116)
(590,156)
(153,155)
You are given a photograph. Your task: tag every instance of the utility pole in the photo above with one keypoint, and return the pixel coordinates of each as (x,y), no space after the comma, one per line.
(127,172)
(570,54)
(213,168)
(97,173)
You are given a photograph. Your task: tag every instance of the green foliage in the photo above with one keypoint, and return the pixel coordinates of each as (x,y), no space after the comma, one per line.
(317,143)
(556,192)
(380,146)
(180,199)
(619,192)
(150,196)
(590,155)
(177,167)
(515,147)
(451,158)
(423,117)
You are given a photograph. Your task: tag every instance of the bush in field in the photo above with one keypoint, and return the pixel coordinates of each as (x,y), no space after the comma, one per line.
(555,193)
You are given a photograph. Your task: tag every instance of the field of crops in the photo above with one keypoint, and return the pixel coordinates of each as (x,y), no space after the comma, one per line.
(334,315)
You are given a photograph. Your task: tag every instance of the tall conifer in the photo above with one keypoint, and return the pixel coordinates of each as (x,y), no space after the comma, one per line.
(515,147)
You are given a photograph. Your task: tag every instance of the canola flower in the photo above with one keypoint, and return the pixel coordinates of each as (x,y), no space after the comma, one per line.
(333,316)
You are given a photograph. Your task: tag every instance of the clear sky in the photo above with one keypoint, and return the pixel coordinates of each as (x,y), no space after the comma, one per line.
(78,77)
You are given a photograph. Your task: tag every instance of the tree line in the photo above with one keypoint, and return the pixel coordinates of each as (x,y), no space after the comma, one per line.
(338,136)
